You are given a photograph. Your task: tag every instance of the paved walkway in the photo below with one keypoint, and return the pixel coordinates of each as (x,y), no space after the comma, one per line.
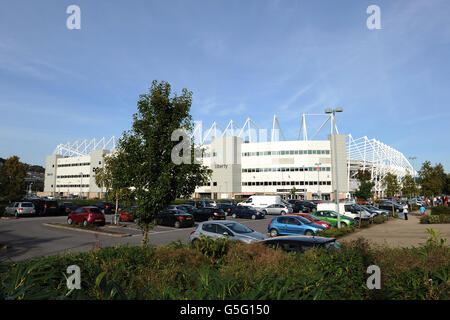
(400,233)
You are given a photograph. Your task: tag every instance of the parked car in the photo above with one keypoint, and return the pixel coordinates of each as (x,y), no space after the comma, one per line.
(375,210)
(174,218)
(301,244)
(308,206)
(297,205)
(229,229)
(277,209)
(67,207)
(332,217)
(201,214)
(387,205)
(225,207)
(127,214)
(198,203)
(20,208)
(105,207)
(229,202)
(45,207)
(315,219)
(246,212)
(86,215)
(288,225)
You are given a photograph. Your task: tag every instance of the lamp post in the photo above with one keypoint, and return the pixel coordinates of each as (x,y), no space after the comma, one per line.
(81,184)
(305,193)
(318,164)
(336,191)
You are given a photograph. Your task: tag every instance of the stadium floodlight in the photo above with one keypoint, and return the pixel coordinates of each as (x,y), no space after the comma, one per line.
(336,196)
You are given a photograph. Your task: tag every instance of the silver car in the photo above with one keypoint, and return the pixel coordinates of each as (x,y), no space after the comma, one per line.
(20,208)
(226,229)
(277,209)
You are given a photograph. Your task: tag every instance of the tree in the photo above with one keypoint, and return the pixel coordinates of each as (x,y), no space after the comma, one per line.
(146,153)
(293,191)
(12,178)
(112,177)
(409,186)
(365,189)
(391,185)
(432,179)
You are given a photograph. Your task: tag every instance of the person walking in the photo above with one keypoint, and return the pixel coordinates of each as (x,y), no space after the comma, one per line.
(422,210)
(405,210)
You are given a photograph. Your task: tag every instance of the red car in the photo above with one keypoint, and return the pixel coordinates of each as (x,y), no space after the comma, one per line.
(314,219)
(86,215)
(127,214)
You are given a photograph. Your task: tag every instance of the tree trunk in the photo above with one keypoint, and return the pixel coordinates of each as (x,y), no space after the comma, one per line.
(145,236)
(117,208)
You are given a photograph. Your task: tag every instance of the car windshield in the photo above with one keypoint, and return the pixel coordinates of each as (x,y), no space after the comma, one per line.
(238,228)
(94,210)
(313,217)
(27,204)
(333,245)
(304,220)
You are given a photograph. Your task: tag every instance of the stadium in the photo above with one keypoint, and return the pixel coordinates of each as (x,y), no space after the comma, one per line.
(246,161)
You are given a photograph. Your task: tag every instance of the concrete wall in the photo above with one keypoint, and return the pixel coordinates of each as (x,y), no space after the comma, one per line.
(51,163)
(341,168)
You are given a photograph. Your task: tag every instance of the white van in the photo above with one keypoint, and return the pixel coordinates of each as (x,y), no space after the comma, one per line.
(346,208)
(261,201)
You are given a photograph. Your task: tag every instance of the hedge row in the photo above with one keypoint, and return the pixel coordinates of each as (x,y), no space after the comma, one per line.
(440,218)
(440,210)
(224,270)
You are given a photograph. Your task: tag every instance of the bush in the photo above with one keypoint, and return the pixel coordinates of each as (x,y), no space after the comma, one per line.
(380,219)
(440,210)
(336,232)
(441,218)
(243,271)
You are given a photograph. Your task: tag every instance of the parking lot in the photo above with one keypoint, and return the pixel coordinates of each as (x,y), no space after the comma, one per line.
(27,237)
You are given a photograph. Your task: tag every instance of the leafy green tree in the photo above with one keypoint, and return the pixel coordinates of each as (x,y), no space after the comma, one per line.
(293,191)
(365,189)
(391,185)
(147,150)
(112,177)
(409,186)
(12,178)
(432,179)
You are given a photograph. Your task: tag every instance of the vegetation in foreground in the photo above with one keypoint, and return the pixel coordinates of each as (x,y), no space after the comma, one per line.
(224,270)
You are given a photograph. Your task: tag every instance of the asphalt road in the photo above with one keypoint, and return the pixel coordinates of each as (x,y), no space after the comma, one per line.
(27,237)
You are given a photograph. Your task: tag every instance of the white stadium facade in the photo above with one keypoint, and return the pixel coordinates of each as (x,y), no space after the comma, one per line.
(246,161)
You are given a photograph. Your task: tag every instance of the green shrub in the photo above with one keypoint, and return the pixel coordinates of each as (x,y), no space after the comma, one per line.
(441,218)
(440,210)
(380,219)
(336,232)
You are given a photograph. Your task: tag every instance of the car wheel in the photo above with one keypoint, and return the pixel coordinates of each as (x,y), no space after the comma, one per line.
(273,233)
(85,223)
(177,224)
(343,224)
(69,221)
(234,216)
(309,233)
(253,217)
(283,213)
(16,215)
(210,218)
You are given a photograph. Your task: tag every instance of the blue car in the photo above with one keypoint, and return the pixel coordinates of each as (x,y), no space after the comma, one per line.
(290,225)
(246,212)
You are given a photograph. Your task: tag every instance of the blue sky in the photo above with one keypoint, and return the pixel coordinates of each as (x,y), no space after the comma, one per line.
(240,58)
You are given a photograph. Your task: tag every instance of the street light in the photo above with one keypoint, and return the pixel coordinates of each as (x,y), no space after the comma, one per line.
(318,180)
(336,192)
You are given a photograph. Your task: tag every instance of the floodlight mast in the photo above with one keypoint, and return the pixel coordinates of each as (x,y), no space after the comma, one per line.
(336,191)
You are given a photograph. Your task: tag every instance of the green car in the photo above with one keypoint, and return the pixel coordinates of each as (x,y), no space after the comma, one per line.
(332,216)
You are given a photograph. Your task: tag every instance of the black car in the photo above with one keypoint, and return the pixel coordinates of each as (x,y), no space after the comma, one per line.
(225,207)
(67,207)
(209,213)
(301,244)
(46,207)
(175,218)
(387,205)
(196,203)
(297,205)
(246,212)
(308,206)
(105,207)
